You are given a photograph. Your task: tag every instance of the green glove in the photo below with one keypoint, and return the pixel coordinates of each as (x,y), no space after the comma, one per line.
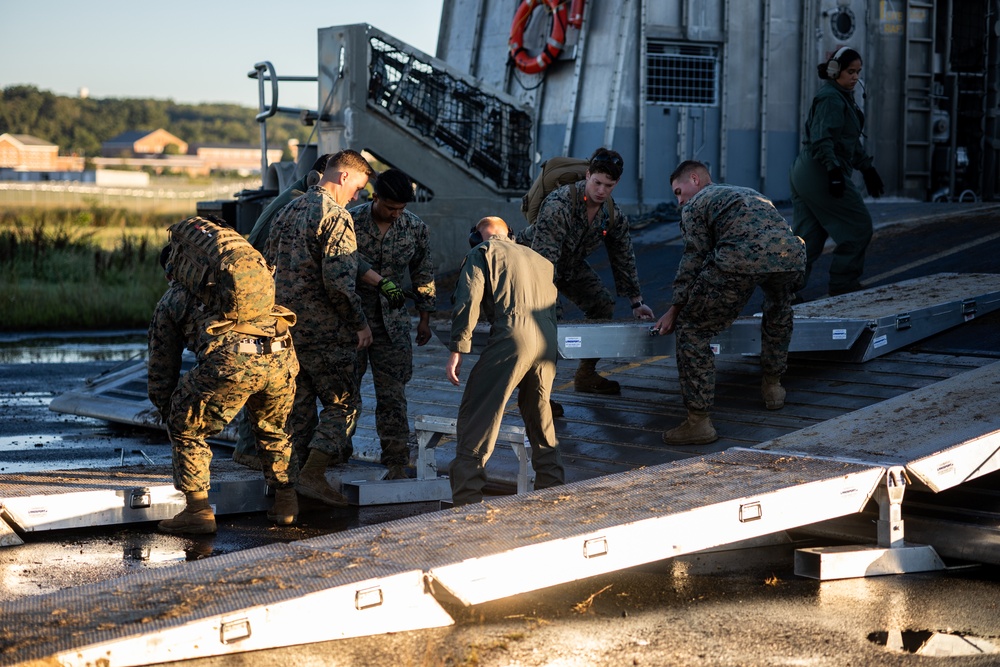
(392,293)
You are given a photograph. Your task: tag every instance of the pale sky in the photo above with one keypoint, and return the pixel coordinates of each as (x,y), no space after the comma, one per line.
(190,51)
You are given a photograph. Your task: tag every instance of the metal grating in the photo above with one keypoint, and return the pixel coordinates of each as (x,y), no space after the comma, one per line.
(682,74)
(487,134)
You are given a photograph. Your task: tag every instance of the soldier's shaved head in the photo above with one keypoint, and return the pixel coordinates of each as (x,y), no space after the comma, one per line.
(491,226)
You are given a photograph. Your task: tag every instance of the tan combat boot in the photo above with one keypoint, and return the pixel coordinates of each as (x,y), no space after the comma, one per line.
(285,510)
(313,484)
(197,518)
(587,380)
(773,392)
(697,429)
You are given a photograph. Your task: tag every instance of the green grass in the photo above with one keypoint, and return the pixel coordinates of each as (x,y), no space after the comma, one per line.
(73,270)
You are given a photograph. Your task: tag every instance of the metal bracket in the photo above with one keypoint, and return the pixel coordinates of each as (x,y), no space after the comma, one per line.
(889,497)
(891,556)
(968,309)
(140,498)
(903,322)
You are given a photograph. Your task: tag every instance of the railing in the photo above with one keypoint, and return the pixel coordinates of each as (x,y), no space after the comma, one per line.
(488,134)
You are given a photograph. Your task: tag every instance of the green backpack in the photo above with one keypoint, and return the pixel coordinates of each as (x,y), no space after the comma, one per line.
(556,172)
(225,272)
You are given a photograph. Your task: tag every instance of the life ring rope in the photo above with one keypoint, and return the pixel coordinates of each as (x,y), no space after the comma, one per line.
(553,44)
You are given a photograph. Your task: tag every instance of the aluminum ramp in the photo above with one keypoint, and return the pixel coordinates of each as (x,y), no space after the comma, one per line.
(372,580)
(488,551)
(944,434)
(83,498)
(853,327)
(278,595)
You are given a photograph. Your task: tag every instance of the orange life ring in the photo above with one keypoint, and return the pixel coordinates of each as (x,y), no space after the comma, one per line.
(553,45)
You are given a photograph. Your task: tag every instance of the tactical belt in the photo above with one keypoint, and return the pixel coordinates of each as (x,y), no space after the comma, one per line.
(263,345)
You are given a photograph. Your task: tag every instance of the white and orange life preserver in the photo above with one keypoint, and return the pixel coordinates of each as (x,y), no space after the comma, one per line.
(553,45)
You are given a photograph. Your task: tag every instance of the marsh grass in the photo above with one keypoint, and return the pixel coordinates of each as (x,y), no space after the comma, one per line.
(80,269)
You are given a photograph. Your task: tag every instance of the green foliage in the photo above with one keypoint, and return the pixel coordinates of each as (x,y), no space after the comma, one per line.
(79,126)
(60,275)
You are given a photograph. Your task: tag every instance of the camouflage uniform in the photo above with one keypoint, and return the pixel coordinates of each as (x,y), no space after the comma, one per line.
(563,235)
(734,240)
(313,249)
(245,444)
(228,375)
(513,285)
(404,250)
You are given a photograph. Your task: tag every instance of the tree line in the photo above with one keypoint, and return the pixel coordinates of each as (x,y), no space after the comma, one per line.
(79,125)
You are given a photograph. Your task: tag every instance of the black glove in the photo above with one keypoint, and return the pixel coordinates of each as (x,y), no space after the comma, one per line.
(392,293)
(837,185)
(873,182)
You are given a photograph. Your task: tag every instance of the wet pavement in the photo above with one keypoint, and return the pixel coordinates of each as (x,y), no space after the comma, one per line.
(741,607)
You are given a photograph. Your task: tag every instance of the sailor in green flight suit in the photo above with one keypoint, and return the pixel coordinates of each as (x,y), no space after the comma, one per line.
(825,201)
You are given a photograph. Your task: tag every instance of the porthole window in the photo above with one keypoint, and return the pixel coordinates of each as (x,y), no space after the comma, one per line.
(842,23)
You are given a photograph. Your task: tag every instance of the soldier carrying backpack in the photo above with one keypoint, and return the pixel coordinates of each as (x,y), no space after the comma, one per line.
(572,221)
(220,305)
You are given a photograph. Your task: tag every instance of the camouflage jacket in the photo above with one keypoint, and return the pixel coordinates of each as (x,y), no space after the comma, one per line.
(315,255)
(403,253)
(181,321)
(740,231)
(563,235)
(512,286)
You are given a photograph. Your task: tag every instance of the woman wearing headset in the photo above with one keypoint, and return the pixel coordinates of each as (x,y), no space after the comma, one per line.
(825,201)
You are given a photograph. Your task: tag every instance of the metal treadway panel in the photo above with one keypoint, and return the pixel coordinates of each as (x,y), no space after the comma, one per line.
(55,500)
(273,596)
(944,434)
(853,327)
(492,550)
(626,340)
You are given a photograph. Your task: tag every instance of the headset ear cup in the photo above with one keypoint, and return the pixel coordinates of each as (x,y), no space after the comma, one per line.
(832,68)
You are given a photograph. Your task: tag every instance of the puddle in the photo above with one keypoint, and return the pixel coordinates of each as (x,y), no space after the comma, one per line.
(935,644)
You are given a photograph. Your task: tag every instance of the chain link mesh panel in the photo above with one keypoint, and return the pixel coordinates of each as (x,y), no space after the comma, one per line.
(489,135)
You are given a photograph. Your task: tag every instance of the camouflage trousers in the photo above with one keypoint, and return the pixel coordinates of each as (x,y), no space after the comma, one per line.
(329,375)
(211,394)
(715,301)
(392,368)
(584,288)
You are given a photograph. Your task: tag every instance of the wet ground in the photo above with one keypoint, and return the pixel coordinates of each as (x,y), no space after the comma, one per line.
(729,608)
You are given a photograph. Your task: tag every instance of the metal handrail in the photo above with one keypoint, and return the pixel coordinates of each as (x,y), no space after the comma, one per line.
(268,111)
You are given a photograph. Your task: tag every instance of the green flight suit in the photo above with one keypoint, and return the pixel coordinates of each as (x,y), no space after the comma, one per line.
(513,286)
(832,140)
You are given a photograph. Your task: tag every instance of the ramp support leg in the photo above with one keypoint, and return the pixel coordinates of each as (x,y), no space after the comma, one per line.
(525,473)
(892,555)
(8,538)
(889,497)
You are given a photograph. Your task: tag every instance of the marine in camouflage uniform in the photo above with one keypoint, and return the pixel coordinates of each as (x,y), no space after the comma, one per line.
(313,248)
(734,240)
(396,244)
(568,230)
(232,370)
(244,452)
